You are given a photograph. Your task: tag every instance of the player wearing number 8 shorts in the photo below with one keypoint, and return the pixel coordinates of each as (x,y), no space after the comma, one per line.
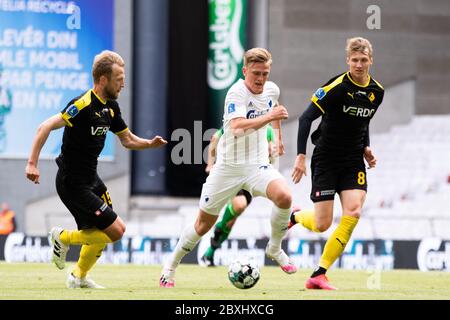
(346,104)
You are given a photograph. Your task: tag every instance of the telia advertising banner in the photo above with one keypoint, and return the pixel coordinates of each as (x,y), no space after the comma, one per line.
(46,54)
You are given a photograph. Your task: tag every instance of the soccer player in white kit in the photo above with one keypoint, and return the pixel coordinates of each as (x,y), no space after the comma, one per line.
(243,163)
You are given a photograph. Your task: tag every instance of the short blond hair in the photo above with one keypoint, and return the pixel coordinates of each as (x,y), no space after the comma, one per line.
(359,44)
(257,55)
(103,64)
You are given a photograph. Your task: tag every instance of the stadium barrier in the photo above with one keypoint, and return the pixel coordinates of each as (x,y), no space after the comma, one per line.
(425,255)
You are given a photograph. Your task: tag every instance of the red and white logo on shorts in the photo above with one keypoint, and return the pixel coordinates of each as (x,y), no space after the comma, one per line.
(317,193)
(101,210)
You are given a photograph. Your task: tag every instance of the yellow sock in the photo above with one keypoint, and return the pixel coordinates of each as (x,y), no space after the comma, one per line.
(80,237)
(89,255)
(306,218)
(338,240)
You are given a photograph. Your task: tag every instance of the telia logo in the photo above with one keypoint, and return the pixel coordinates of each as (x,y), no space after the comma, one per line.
(225,48)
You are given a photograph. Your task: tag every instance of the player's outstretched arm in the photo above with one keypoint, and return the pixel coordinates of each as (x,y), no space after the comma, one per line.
(133,142)
(52,123)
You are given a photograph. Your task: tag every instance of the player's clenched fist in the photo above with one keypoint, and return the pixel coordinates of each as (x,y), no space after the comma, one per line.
(279,113)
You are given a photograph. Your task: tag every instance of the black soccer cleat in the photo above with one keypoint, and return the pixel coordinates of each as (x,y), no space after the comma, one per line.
(207,262)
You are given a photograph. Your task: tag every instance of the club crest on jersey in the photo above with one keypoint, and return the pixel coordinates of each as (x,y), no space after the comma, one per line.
(270,103)
(99,131)
(72,111)
(231,108)
(371,96)
(320,93)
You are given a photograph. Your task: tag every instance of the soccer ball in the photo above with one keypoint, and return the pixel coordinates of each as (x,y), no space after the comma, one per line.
(244,273)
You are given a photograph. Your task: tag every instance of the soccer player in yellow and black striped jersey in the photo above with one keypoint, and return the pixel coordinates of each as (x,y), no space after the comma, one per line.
(346,104)
(86,121)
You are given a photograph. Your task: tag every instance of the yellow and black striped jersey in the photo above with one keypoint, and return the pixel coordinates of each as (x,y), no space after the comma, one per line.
(346,109)
(88,119)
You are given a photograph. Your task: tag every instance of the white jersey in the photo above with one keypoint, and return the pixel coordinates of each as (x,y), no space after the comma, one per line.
(252,148)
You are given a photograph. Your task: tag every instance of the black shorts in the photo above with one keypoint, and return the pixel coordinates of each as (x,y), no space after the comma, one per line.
(87,200)
(246,194)
(332,173)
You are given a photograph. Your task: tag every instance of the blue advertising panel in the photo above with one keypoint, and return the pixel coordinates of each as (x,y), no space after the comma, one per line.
(46,54)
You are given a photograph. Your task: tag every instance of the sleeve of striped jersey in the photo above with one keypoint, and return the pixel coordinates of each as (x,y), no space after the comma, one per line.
(71,114)
(304,127)
(328,96)
(118,125)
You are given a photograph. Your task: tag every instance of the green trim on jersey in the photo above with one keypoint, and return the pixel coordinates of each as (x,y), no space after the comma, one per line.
(219,133)
(270,134)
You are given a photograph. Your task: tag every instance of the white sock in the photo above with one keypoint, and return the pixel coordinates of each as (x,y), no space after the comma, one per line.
(188,240)
(279,221)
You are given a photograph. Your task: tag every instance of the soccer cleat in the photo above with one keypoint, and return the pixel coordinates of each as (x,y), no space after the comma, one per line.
(319,282)
(167,279)
(59,248)
(292,221)
(206,261)
(73,282)
(280,257)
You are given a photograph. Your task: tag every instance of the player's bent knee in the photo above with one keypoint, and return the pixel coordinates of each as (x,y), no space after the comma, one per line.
(203,227)
(322,227)
(354,212)
(283,200)
(204,223)
(239,205)
(116,231)
(115,236)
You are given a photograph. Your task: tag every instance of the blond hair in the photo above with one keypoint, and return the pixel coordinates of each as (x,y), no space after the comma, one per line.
(103,64)
(358,44)
(257,55)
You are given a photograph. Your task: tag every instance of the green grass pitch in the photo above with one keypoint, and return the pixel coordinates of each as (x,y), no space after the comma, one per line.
(33,281)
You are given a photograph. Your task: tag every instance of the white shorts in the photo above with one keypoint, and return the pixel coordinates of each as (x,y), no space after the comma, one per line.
(224,182)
